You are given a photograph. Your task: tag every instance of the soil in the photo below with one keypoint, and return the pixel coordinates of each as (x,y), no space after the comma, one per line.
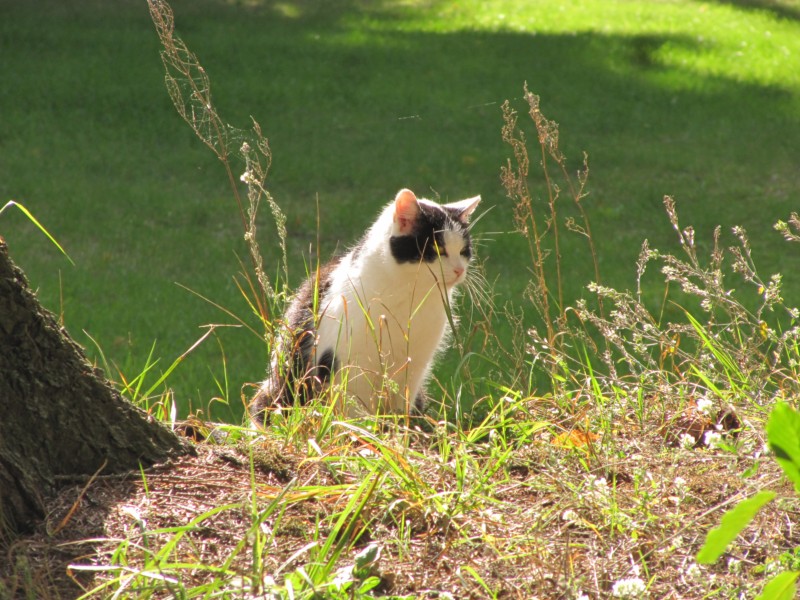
(534,539)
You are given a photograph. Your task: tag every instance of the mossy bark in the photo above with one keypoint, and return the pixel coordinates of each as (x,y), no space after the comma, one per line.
(59,417)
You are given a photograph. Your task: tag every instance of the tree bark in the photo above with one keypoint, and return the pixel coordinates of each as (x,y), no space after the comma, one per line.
(59,416)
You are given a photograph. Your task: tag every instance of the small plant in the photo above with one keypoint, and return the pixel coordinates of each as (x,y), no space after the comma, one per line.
(189,88)
(783,434)
(546,289)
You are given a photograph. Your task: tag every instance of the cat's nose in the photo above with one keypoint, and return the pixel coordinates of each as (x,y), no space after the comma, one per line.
(459,271)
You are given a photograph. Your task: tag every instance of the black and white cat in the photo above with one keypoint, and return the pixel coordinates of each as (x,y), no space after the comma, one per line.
(373,320)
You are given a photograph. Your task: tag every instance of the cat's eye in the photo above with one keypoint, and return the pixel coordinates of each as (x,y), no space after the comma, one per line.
(439,249)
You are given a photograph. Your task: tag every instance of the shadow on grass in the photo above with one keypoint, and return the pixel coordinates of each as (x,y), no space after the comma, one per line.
(356,107)
(785,9)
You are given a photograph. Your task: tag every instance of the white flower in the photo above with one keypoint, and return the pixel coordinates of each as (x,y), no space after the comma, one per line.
(713,439)
(599,490)
(680,486)
(570,516)
(247,177)
(693,571)
(704,405)
(632,587)
(734,565)
(687,441)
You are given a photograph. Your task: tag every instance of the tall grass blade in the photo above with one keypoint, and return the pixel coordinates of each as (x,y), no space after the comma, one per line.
(41,227)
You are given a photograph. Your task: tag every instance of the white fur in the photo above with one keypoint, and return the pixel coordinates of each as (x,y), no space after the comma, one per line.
(386,320)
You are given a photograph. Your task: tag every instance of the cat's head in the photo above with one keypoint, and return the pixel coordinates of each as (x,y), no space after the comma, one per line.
(438,234)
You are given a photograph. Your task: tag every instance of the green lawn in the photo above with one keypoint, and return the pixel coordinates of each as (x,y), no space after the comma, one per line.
(699,100)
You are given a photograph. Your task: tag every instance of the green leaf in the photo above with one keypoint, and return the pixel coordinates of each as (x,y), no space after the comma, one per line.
(780,587)
(730,526)
(783,435)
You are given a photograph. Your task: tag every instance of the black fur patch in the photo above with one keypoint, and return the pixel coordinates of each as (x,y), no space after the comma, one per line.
(419,403)
(420,244)
(327,365)
(297,379)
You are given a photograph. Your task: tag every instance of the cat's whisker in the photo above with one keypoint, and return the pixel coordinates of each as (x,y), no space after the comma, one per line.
(478,289)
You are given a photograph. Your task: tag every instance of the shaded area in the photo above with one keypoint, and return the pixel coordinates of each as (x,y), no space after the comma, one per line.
(37,565)
(61,418)
(785,9)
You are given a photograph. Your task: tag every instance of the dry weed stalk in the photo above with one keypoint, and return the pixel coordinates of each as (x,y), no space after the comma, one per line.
(790,230)
(731,350)
(190,90)
(551,306)
(726,350)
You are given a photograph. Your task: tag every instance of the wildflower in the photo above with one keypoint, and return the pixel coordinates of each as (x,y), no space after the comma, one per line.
(598,488)
(632,587)
(713,439)
(680,485)
(734,565)
(693,571)
(570,516)
(247,177)
(704,405)
(687,441)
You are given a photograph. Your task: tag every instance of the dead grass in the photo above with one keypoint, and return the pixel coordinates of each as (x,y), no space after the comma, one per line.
(551,529)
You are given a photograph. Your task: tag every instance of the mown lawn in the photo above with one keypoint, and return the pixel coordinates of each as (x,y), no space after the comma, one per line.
(700,100)
(581,458)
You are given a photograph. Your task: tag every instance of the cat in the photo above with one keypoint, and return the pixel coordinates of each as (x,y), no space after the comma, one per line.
(374,319)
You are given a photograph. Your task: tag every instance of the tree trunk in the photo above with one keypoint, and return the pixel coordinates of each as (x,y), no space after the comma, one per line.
(59,417)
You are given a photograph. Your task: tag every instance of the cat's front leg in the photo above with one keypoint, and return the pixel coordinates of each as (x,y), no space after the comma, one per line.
(266,399)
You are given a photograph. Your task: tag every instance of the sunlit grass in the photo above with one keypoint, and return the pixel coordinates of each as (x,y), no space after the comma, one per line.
(702,38)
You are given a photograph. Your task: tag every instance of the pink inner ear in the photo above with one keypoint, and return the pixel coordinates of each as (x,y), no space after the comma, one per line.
(406,210)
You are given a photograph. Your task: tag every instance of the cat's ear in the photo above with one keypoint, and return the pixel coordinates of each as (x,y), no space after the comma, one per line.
(465,208)
(406,210)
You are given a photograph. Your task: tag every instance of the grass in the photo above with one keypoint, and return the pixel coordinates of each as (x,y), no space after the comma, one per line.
(698,100)
(592,434)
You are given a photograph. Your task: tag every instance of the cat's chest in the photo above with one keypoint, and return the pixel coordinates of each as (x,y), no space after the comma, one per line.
(394,310)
